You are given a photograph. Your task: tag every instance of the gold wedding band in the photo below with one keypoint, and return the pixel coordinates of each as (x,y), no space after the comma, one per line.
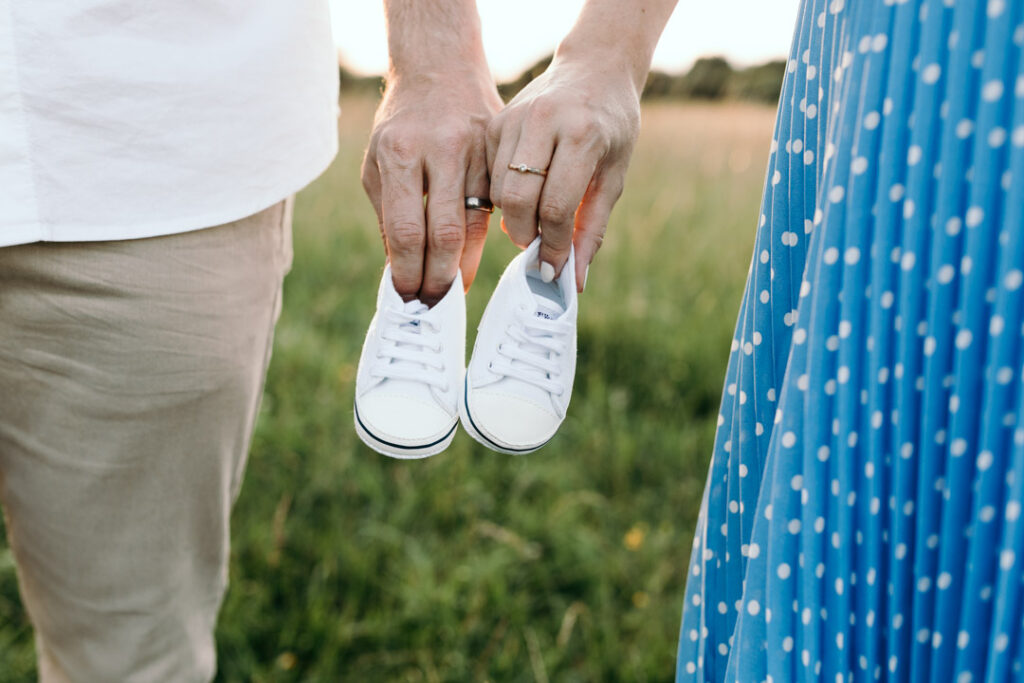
(480,204)
(523,168)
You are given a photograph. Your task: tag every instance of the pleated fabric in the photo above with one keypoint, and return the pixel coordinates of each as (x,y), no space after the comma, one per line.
(862,514)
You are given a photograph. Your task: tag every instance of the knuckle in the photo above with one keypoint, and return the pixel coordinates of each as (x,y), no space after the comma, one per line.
(405,236)
(447,237)
(396,149)
(476,228)
(542,110)
(554,210)
(515,201)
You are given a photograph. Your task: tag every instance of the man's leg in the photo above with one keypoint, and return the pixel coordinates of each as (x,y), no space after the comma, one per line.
(130,376)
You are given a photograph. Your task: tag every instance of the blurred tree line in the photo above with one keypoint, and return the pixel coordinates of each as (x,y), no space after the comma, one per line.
(710,78)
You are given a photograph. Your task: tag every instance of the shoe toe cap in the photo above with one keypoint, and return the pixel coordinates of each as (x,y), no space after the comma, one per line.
(511,421)
(402,419)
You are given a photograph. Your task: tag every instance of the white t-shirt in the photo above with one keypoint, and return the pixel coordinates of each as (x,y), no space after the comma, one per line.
(123,119)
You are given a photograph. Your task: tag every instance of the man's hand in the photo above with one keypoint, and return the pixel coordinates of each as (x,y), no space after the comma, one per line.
(579,120)
(429,139)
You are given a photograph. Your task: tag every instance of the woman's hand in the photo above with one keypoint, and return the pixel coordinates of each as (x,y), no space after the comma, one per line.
(579,121)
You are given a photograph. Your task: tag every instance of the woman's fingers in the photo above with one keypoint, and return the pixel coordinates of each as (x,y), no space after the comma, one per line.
(592,218)
(572,168)
(519,193)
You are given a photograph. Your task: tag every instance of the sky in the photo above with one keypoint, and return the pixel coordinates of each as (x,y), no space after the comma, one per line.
(518,32)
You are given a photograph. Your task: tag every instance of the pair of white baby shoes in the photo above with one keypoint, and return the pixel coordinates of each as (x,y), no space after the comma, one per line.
(412,387)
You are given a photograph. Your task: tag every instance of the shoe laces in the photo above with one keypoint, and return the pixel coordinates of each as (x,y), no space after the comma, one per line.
(530,351)
(411,347)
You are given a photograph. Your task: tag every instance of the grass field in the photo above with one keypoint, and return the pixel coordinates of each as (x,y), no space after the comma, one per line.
(565,565)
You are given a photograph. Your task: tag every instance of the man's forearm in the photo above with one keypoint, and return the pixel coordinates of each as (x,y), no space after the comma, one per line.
(431,36)
(618,34)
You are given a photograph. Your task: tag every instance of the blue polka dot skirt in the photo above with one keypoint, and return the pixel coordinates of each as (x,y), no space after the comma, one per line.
(862,515)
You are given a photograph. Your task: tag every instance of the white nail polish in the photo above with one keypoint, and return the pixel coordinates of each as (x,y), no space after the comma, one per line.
(547,272)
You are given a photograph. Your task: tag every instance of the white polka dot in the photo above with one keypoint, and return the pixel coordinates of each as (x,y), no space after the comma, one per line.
(996,137)
(871,120)
(754,550)
(992,91)
(944,580)
(1006,559)
(794,526)
(953,226)
(753,608)
(963,339)
(995,8)
(914,154)
(1018,136)
(836,194)
(962,639)
(852,256)
(765,296)
(930,74)
(808,157)
(783,571)
(975,215)
(776,177)
(964,128)
(908,260)
(859,165)
(958,447)
(945,274)
(787,644)
(1012,511)
(1013,280)
(812,111)
(896,192)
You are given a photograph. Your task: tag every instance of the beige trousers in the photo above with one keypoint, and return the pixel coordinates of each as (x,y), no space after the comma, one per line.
(130,376)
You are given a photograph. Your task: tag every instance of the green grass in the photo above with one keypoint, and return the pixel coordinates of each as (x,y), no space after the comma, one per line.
(565,565)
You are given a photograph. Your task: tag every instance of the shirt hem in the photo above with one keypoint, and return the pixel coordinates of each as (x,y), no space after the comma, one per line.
(13,236)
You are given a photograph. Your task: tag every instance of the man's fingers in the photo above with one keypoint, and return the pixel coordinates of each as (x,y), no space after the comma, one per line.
(371,185)
(592,219)
(404,226)
(476,221)
(572,168)
(446,227)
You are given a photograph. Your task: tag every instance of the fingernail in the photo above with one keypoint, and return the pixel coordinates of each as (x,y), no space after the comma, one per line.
(586,272)
(547,272)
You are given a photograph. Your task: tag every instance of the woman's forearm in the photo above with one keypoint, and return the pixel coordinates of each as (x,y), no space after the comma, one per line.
(621,35)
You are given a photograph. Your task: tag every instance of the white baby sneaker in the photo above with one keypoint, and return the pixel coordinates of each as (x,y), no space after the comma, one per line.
(410,372)
(519,380)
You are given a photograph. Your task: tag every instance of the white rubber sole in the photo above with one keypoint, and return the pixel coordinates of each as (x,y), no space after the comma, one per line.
(403,451)
(466,417)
